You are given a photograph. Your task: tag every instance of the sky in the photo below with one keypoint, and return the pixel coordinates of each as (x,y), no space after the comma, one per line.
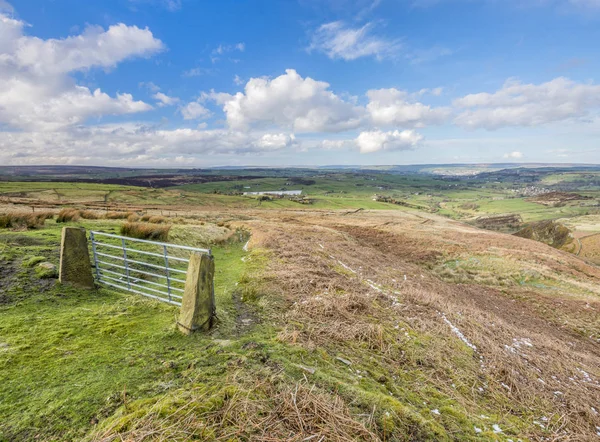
(200,83)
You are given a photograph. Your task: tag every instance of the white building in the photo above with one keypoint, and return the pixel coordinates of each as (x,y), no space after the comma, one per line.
(275,192)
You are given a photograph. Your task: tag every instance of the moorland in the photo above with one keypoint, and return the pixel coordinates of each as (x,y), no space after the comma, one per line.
(456,302)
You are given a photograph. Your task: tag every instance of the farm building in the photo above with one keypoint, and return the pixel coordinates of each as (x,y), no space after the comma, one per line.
(276,192)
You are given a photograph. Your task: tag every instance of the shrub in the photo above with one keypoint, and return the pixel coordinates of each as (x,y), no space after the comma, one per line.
(118,215)
(67,215)
(24,219)
(134,217)
(146,231)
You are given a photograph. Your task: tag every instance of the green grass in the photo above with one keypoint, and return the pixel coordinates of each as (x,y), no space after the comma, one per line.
(70,357)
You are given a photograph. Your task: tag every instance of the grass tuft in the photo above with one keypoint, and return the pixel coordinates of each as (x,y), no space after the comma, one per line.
(146,231)
(68,215)
(24,220)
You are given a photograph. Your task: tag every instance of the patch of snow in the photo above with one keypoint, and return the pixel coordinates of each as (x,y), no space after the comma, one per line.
(245,248)
(457,332)
(505,386)
(373,285)
(436,411)
(321,245)
(477,430)
(497,428)
(346,267)
(586,376)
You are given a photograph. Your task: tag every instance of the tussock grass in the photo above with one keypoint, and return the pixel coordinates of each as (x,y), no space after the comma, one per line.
(146,231)
(118,215)
(154,219)
(24,220)
(68,215)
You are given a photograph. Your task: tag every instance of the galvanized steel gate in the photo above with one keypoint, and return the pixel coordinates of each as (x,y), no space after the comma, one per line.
(157,269)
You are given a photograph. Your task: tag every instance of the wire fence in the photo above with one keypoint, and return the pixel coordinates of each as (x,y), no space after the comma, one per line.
(149,268)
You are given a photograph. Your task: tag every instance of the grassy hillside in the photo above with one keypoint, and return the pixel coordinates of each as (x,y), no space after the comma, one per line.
(367,326)
(382,324)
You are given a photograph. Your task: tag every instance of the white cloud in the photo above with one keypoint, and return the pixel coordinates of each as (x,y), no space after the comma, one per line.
(196,72)
(237,80)
(95,47)
(377,140)
(292,102)
(165,100)
(275,141)
(338,40)
(518,104)
(514,155)
(135,144)
(194,111)
(222,49)
(391,107)
(35,88)
(149,85)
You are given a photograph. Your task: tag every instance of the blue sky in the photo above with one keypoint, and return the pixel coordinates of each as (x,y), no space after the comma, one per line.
(190,83)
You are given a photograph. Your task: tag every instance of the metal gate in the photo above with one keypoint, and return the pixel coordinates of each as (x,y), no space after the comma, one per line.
(150,268)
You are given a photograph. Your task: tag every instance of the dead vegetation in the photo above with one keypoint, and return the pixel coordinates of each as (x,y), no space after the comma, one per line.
(499,222)
(557,199)
(146,231)
(24,220)
(266,412)
(369,290)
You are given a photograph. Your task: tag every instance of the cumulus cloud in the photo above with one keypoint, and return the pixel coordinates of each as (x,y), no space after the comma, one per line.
(518,104)
(391,107)
(275,141)
(194,111)
(165,100)
(339,40)
(95,47)
(36,90)
(133,144)
(376,140)
(290,101)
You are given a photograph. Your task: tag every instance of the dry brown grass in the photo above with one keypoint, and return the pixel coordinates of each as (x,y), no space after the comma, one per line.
(28,220)
(146,231)
(154,219)
(263,412)
(68,215)
(329,304)
(90,214)
(118,215)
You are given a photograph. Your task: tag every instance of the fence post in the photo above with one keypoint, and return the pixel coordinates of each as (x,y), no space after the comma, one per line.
(198,303)
(75,268)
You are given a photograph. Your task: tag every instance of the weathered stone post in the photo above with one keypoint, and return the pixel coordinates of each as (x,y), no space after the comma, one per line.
(75,267)
(198,303)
